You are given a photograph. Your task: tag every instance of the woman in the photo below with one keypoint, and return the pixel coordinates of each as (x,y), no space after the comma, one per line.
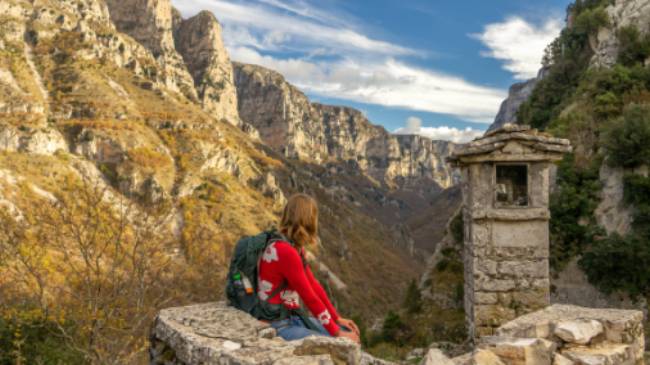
(283,265)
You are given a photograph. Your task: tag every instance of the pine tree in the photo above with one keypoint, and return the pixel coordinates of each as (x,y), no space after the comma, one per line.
(413,299)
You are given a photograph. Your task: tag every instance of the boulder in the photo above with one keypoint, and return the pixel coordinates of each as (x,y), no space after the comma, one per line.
(525,351)
(619,326)
(560,359)
(578,331)
(485,357)
(605,354)
(436,357)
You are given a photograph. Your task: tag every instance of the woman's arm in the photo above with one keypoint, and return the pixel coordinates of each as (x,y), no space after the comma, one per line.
(321,293)
(292,269)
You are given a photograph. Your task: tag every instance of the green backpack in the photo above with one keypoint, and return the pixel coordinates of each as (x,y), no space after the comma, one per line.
(242,285)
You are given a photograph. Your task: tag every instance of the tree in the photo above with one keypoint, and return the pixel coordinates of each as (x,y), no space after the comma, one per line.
(628,139)
(413,299)
(93,265)
(392,327)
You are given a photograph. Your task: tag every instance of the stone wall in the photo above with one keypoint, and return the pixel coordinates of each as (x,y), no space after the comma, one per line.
(212,333)
(559,335)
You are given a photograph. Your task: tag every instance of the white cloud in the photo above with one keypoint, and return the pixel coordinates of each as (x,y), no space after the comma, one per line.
(387,82)
(263,19)
(414,126)
(519,44)
(323,52)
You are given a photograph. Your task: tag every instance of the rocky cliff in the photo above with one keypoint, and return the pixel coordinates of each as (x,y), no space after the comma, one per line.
(291,124)
(517,94)
(199,41)
(621,13)
(150,23)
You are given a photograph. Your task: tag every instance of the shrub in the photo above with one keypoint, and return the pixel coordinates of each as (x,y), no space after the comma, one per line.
(607,104)
(456,227)
(572,205)
(413,298)
(566,59)
(622,263)
(619,263)
(637,194)
(628,139)
(590,20)
(393,328)
(634,48)
(27,337)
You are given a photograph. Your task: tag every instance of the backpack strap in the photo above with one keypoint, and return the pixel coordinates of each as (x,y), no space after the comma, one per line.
(299,312)
(274,235)
(279,289)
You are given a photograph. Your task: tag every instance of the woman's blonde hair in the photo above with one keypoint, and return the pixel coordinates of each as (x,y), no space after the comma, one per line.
(300,220)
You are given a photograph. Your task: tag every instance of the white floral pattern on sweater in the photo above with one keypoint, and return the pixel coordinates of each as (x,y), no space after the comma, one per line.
(264,289)
(270,254)
(290,298)
(324,318)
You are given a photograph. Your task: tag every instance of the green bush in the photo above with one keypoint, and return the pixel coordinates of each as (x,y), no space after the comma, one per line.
(393,328)
(572,206)
(26,338)
(607,104)
(619,263)
(637,194)
(591,19)
(634,47)
(456,227)
(628,139)
(566,60)
(623,263)
(413,298)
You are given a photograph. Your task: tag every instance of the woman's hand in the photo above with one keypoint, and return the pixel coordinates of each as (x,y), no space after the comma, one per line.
(349,324)
(349,335)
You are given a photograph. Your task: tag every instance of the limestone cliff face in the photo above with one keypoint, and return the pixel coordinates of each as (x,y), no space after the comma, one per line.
(517,95)
(150,23)
(281,113)
(621,13)
(199,41)
(291,124)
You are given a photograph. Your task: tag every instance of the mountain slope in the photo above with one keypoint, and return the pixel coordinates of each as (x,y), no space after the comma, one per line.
(292,125)
(126,178)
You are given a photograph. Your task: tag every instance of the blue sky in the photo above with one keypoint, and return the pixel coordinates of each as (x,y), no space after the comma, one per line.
(437,68)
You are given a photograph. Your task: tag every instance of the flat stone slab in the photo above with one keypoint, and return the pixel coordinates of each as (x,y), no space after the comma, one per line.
(213,333)
(524,351)
(578,331)
(606,354)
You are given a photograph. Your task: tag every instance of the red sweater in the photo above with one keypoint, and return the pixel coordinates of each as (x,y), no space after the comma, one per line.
(281,262)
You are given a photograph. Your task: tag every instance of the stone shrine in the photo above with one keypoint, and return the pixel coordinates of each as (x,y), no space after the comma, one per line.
(505,184)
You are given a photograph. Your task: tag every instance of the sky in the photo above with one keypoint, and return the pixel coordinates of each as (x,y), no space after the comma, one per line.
(439,68)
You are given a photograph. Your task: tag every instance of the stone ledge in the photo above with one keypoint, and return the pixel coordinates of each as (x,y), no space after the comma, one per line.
(213,333)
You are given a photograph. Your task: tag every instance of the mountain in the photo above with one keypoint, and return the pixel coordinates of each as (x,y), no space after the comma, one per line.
(517,94)
(292,125)
(133,156)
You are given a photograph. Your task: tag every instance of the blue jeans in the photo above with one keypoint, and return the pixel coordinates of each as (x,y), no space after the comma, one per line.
(293,328)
